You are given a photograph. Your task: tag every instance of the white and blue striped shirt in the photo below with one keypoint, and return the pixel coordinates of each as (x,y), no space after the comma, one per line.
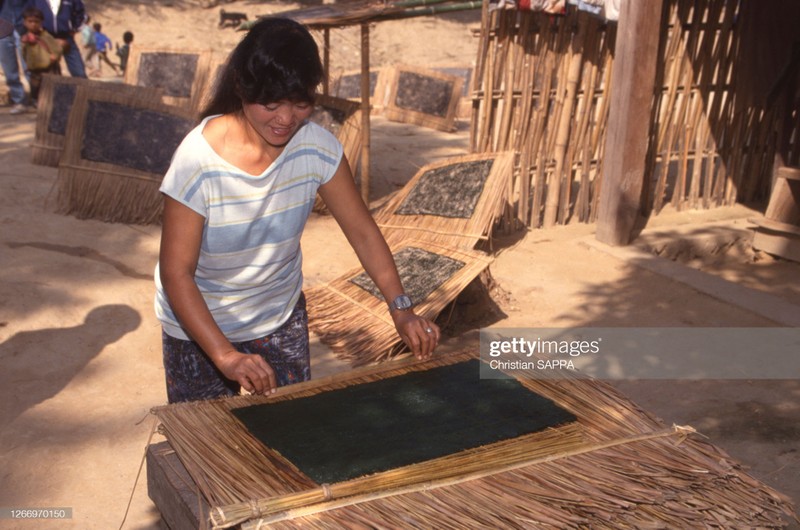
(250,266)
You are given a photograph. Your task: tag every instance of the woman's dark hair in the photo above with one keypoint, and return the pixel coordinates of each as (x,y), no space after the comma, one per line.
(277,59)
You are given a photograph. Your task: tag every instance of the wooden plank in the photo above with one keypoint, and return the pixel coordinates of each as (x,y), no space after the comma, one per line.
(366,141)
(632,94)
(173,491)
(789,173)
(779,243)
(777,226)
(784,202)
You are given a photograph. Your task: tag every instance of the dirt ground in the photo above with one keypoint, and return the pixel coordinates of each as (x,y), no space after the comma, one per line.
(80,346)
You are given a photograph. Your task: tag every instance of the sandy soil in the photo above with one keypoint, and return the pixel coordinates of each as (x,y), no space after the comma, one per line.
(80,347)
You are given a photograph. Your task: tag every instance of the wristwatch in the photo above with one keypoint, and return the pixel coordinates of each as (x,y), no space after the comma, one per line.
(401,303)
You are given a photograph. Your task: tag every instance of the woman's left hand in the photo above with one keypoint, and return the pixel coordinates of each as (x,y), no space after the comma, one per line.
(419,334)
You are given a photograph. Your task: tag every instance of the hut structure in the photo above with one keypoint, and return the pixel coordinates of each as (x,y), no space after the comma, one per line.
(615,108)
(612,120)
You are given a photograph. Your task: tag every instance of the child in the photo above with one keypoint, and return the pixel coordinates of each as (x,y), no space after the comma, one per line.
(125,50)
(103,44)
(40,50)
(89,45)
(236,199)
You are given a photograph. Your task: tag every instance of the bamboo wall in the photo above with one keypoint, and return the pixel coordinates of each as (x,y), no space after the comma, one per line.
(541,88)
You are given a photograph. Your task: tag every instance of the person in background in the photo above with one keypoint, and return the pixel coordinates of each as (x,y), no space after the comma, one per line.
(41,51)
(125,50)
(237,196)
(10,52)
(103,46)
(89,46)
(62,18)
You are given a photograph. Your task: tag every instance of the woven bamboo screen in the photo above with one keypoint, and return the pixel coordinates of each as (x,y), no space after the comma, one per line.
(541,88)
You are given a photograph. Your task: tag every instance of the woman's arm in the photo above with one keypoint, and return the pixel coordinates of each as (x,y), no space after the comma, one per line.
(181,235)
(345,204)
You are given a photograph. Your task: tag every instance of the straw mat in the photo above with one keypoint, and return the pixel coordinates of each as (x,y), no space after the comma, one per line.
(616,467)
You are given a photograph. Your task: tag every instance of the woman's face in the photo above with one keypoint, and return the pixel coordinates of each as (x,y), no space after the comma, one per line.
(277,122)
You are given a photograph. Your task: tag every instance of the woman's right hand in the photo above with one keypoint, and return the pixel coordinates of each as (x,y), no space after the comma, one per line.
(251,371)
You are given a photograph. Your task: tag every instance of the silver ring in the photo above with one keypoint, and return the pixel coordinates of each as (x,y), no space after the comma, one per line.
(428,330)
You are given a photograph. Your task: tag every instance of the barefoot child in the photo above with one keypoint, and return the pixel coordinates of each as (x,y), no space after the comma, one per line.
(41,51)
(103,44)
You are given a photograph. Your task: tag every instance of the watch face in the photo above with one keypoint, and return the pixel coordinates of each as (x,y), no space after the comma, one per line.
(402,302)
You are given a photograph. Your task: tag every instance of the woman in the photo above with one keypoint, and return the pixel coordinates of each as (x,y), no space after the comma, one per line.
(237,197)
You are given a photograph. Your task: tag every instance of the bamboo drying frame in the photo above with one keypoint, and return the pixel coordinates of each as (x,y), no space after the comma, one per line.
(349,135)
(625,470)
(47,144)
(466,72)
(215,65)
(455,232)
(199,81)
(378,95)
(393,112)
(357,326)
(107,191)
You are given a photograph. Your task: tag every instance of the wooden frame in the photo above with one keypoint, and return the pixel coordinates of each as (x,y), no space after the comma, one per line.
(48,141)
(444,120)
(464,108)
(192,99)
(460,232)
(635,471)
(378,92)
(283,486)
(350,132)
(357,326)
(90,188)
(215,66)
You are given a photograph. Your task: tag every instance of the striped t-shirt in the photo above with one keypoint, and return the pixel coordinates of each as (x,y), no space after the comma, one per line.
(250,265)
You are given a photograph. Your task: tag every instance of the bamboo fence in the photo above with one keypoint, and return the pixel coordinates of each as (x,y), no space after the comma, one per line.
(541,89)
(620,469)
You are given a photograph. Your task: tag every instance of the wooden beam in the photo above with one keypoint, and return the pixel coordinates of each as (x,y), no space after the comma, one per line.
(326,60)
(632,95)
(365,107)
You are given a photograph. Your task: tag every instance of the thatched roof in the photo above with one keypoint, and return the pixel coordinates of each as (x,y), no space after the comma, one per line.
(361,12)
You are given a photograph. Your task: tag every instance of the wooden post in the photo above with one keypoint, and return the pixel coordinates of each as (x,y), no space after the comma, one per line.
(326,60)
(632,92)
(365,104)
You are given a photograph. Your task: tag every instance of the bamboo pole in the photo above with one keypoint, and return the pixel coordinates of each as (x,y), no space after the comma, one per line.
(584,97)
(564,125)
(479,81)
(365,114)
(326,60)
(675,51)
